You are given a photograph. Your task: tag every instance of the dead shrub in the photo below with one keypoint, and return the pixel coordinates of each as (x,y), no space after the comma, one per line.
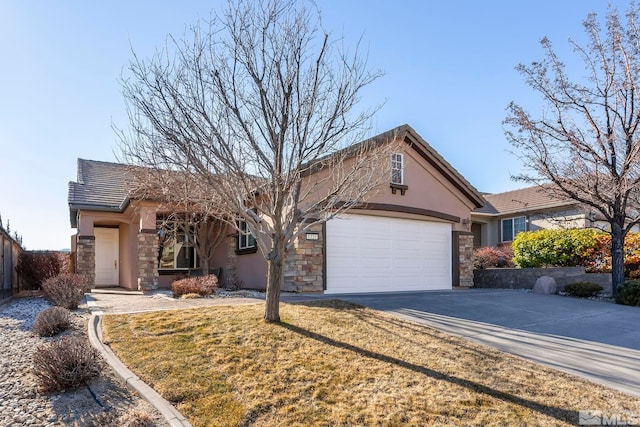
(201,285)
(52,321)
(66,363)
(493,257)
(65,290)
(36,267)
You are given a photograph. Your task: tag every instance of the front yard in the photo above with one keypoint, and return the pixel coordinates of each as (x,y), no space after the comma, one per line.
(333,363)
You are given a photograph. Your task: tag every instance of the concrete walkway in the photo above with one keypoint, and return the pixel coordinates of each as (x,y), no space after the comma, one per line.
(596,340)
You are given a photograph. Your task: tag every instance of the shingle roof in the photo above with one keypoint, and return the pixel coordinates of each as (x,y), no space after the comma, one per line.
(522,200)
(100,186)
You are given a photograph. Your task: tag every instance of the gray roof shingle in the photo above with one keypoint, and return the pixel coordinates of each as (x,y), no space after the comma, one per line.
(100,186)
(521,200)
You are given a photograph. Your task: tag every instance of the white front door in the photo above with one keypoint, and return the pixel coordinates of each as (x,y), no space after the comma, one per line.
(107,256)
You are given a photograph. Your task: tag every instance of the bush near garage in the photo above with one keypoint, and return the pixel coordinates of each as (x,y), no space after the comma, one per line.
(555,247)
(628,293)
(201,285)
(493,257)
(582,289)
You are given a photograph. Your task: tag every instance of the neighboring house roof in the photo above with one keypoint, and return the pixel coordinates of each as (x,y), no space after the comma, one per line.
(522,200)
(101,186)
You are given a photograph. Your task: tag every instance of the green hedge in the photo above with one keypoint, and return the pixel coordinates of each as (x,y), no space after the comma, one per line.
(555,247)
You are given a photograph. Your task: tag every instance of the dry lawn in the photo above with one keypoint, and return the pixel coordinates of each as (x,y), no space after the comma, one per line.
(332,363)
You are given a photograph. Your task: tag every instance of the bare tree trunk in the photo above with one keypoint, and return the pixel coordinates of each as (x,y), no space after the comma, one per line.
(204,264)
(617,257)
(275,279)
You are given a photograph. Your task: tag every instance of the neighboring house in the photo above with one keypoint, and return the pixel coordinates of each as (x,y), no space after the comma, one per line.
(412,235)
(528,209)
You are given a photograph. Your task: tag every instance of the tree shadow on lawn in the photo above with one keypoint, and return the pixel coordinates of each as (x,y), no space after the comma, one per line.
(367,316)
(555,412)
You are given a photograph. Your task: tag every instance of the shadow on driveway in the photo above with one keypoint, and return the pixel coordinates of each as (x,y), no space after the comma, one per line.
(597,340)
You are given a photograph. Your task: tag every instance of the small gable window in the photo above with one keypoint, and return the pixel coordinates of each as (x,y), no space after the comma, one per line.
(512,226)
(246,241)
(397,169)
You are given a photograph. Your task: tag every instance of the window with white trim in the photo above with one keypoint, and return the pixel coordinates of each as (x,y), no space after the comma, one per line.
(246,241)
(176,244)
(512,226)
(397,169)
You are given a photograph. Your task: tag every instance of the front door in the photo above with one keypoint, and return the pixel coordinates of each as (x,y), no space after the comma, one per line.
(107,259)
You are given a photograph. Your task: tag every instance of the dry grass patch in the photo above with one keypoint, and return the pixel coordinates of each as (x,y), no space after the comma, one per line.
(333,363)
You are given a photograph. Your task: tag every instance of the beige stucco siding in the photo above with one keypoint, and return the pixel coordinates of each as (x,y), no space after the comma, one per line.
(428,190)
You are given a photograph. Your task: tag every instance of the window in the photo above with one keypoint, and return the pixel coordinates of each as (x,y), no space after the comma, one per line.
(246,241)
(397,169)
(176,241)
(512,226)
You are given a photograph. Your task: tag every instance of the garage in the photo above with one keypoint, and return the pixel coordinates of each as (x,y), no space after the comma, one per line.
(381,254)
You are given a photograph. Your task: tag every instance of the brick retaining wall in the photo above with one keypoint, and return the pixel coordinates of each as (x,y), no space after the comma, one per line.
(525,278)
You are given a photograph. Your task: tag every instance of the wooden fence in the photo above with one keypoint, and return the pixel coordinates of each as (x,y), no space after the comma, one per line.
(10,251)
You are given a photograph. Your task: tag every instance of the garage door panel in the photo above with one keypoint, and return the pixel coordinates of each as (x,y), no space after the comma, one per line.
(379,254)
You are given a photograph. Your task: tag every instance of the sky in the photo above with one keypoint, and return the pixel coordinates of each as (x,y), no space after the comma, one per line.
(449,73)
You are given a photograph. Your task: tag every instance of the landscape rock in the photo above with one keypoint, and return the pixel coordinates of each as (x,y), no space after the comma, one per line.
(545,285)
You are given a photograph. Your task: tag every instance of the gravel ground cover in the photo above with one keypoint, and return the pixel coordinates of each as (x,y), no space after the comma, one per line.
(104,401)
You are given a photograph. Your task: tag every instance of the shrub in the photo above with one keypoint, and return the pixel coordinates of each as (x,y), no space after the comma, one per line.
(36,267)
(52,321)
(582,289)
(201,285)
(555,247)
(67,363)
(491,256)
(66,290)
(628,293)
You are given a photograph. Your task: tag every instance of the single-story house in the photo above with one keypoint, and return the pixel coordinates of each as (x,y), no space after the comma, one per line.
(414,234)
(527,209)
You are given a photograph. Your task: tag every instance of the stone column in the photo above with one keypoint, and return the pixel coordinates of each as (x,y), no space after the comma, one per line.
(86,258)
(147,260)
(465,254)
(304,264)
(230,272)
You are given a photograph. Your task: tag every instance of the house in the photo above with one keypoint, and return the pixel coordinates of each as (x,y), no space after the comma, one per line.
(414,234)
(527,209)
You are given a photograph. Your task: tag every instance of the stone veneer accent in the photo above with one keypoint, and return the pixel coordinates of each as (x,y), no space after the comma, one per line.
(465,259)
(304,263)
(86,258)
(231,265)
(147,260)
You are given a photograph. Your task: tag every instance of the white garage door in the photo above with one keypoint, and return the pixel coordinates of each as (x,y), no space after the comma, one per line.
(379,254)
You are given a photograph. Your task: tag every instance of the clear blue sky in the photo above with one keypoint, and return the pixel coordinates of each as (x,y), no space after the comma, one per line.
(449,74)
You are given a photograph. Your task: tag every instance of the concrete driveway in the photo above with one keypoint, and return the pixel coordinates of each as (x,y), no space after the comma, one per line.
(596,340)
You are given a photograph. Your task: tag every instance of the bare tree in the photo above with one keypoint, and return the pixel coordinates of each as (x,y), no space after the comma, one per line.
(259,104)
(587,141)
(188,202)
